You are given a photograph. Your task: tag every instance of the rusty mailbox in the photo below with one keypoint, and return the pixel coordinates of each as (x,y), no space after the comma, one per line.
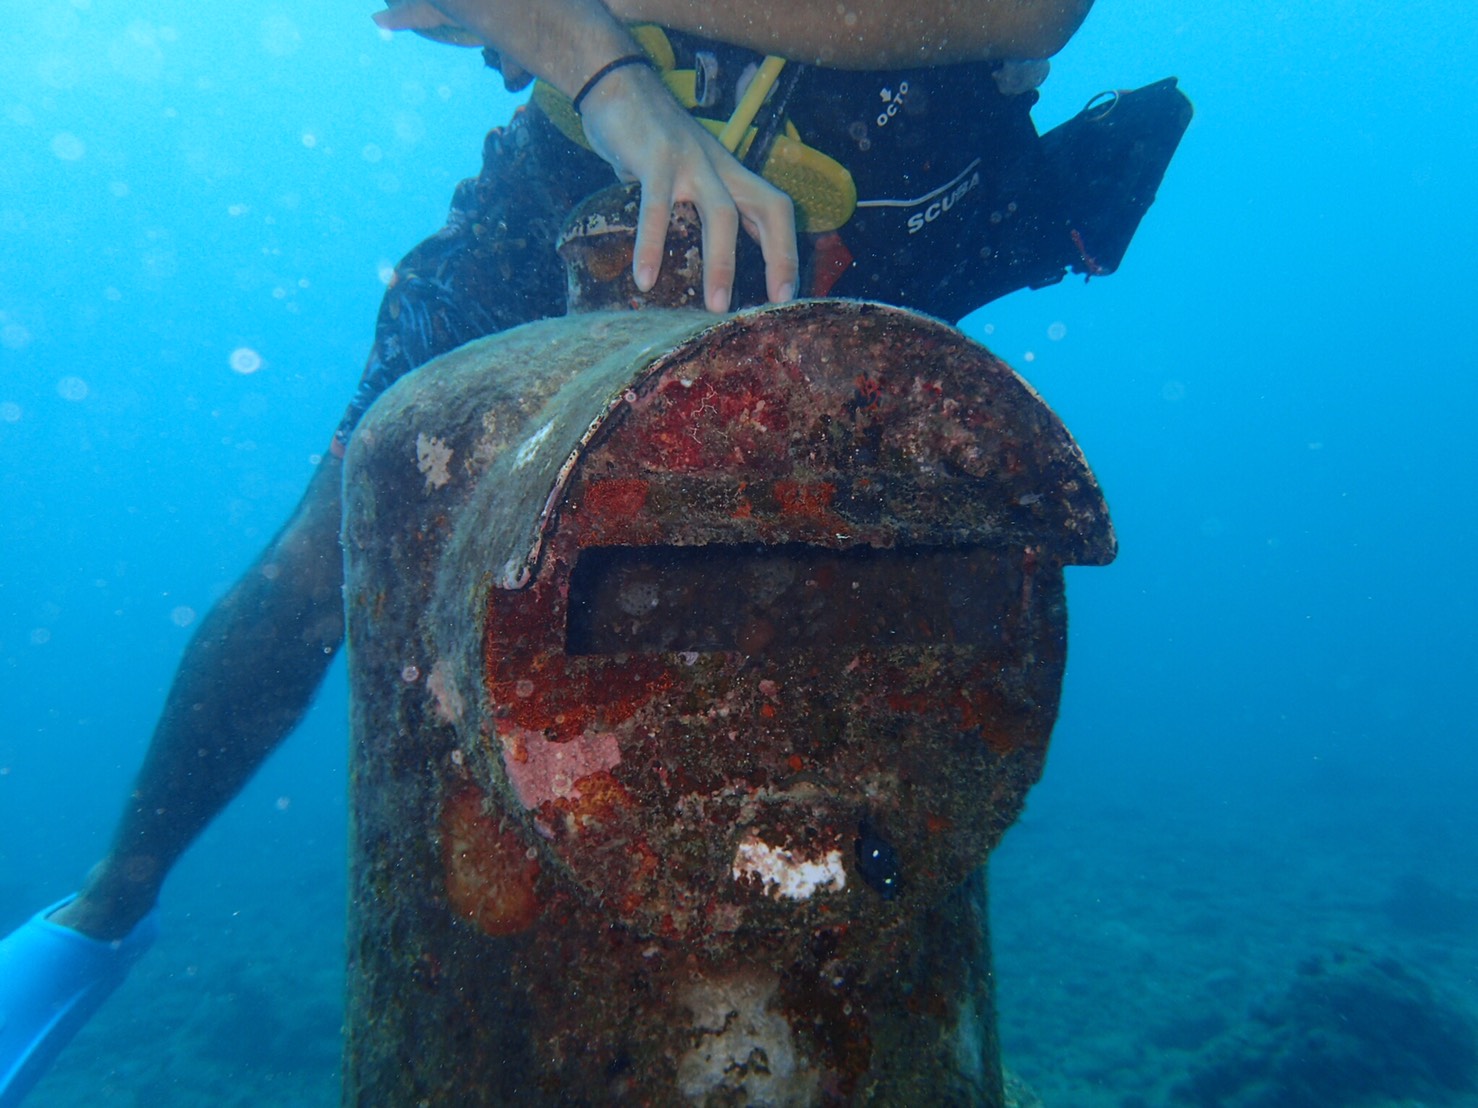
(698,663)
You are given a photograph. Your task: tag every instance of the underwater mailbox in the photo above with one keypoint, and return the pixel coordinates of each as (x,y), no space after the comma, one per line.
(697,665)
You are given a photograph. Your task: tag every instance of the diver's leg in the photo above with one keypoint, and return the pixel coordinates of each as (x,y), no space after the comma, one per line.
(245,681)
(251,670)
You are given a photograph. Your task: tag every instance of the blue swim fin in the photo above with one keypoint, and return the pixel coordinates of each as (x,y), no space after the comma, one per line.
(52,979)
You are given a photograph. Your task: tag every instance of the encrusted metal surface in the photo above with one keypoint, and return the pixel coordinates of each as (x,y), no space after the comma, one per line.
(692,688)
(597,245)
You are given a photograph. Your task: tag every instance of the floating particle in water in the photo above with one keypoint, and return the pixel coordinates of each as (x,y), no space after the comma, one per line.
(408,127)
(15,336)
(1057,331)
(1172,391)
(68,147)
(10,412)
(40,636)
(245,360)
(72,388)
(182,616)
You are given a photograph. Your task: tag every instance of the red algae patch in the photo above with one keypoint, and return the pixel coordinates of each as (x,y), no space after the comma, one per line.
(490,876)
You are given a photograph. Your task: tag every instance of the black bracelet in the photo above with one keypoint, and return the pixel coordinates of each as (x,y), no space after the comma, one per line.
(605,71)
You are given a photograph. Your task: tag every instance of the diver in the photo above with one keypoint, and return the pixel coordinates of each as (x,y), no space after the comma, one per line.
(885,152)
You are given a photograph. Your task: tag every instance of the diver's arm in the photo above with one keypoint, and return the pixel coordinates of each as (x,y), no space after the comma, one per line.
(632,122)
(246,679)
(562,41)
(873,34)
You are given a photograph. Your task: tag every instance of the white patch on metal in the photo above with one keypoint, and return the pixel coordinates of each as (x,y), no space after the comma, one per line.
(447,697)
(527,451)
(735,1026)
(783,874)
(433,458)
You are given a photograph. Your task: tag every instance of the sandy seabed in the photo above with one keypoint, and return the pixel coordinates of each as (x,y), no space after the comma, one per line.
(1281,955)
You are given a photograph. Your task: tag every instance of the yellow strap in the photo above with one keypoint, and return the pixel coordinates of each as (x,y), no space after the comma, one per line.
(749,105)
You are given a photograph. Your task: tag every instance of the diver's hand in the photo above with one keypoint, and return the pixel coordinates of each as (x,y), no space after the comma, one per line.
(634,124)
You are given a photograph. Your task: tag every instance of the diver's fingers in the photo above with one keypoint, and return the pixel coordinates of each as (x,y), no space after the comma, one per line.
(411,15)
(651,228)
(633,123)
(720,219)
(769,217)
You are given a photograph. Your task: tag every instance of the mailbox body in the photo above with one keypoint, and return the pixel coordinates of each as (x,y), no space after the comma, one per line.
(696,669)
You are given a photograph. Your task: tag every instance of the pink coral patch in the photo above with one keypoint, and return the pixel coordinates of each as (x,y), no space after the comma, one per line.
(541,770)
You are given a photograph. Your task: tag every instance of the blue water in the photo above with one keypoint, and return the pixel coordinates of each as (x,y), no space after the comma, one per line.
(1266,755)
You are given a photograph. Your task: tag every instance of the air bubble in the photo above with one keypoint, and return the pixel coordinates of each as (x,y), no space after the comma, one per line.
(68,147)
(280,36)
(72,388)
(245,360)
